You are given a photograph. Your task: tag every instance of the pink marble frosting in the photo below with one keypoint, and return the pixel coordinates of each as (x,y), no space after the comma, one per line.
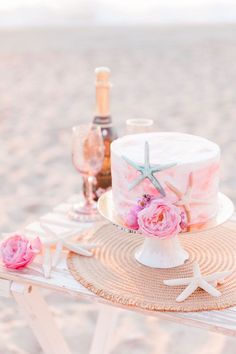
(192,154)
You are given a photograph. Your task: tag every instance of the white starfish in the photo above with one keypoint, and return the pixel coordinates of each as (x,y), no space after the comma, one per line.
(185,199)
(206,283)
(147,171)
(61,241)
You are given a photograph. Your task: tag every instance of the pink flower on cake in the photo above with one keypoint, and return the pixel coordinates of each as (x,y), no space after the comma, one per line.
(184,221)
(145,200)
(161,219)
(17,252)
(132,216)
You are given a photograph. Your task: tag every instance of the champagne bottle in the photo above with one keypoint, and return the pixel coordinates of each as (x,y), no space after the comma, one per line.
(103,119)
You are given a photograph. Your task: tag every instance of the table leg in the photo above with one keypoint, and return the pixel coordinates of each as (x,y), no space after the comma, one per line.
(107,318)
(39,318)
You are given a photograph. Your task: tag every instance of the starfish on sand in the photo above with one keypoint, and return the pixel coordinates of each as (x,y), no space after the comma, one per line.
(206,283)
(59,242)
(147,171)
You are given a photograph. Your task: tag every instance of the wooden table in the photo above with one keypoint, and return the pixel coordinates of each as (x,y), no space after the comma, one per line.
(25,286)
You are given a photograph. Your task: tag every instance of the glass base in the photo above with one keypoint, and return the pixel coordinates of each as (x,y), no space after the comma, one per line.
(84,212)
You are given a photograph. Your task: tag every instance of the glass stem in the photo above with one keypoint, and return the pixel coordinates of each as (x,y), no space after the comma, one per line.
(88,190)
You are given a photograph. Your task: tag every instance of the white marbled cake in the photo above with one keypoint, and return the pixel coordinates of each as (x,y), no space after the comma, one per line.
(191,155)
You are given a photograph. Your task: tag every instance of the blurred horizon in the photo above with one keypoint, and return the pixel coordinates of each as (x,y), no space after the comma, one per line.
(24,13)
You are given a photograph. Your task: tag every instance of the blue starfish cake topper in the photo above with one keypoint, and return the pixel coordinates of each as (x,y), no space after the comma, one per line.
(147,171)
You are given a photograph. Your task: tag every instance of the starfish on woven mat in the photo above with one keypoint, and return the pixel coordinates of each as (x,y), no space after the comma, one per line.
(59,242)
(198,280)
(147,171)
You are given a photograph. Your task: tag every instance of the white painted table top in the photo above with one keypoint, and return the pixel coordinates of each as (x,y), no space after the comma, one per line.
(61,280)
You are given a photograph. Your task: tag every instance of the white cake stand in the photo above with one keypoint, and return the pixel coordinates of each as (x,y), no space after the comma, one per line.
(163,253)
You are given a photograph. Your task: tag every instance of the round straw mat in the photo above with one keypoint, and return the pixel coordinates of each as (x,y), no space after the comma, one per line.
(114,274)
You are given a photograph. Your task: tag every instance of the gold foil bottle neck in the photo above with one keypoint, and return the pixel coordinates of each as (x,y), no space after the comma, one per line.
(102,74)
(102,85)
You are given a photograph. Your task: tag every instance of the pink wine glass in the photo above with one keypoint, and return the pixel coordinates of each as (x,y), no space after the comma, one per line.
(87,157)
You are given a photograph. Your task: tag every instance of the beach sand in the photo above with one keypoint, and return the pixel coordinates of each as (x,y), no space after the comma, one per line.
(182,77)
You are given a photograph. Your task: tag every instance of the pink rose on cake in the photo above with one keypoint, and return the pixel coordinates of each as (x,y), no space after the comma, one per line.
(184,221)
(132,216)
(17,251)
(160,219)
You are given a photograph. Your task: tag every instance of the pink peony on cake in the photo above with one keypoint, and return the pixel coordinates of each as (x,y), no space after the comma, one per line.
(179,172)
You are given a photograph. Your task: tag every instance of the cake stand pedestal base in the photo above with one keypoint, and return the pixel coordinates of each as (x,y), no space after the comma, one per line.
(166,253)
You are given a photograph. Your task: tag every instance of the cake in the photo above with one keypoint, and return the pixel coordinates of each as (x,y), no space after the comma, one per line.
(179,168)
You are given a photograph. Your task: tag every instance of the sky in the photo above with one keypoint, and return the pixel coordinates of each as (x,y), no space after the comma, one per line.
(76,12)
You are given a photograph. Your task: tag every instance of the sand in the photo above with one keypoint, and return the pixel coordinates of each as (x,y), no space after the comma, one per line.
(182,77)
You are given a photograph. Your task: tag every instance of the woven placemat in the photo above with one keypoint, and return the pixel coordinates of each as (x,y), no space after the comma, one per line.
(115,275)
